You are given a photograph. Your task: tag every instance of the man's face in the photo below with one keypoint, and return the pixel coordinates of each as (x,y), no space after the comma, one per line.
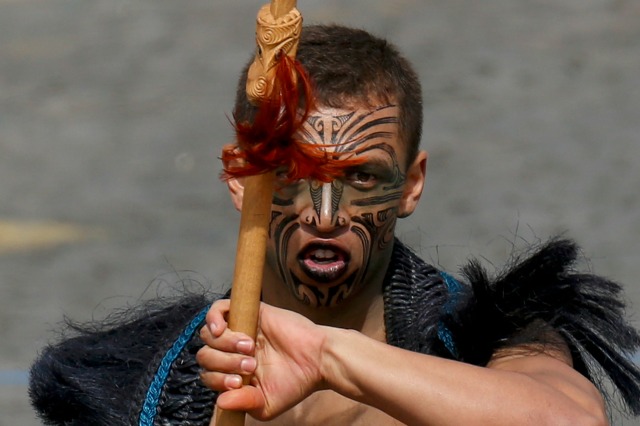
(328,240)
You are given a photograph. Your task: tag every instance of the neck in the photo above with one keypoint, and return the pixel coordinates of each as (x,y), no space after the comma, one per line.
(363,312)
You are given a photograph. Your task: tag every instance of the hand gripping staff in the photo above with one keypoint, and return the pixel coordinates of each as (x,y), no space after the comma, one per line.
(281,92)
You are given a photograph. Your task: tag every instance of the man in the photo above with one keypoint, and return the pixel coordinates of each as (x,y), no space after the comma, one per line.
(500,352)
(331,245)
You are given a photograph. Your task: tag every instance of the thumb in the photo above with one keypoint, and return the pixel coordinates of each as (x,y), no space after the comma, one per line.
(247,398)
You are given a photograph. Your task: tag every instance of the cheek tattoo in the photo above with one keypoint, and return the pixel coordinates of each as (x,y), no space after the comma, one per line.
(379,225)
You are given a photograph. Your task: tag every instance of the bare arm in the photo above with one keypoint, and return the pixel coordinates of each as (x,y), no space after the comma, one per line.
(296,357)
(535,389)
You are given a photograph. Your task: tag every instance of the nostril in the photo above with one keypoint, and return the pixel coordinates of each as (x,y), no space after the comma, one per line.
(329,224)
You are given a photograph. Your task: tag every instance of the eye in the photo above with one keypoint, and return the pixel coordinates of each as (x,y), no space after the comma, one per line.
(361,179)
(283,180)
(282,174)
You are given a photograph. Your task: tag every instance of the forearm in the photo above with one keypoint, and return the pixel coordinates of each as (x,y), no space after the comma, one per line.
(421,389)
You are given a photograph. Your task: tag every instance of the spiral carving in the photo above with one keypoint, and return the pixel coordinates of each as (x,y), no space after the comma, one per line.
(273,37)
(258,89)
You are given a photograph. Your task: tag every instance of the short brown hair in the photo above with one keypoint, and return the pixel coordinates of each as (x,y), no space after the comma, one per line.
(348,65)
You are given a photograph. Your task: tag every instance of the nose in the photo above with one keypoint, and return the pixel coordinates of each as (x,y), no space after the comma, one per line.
(325,215)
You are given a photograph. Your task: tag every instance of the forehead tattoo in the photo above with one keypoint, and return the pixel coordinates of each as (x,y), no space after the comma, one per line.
(347,132)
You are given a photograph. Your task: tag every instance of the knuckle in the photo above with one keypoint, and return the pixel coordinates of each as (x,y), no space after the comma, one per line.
(203,357)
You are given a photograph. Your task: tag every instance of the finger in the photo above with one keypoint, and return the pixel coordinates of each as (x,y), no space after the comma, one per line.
(220,381)
(229,341)
(246,398)
(215,316)
(214,360)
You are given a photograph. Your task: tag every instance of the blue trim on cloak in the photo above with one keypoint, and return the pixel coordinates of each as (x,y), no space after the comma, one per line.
(150,406)
(455,289)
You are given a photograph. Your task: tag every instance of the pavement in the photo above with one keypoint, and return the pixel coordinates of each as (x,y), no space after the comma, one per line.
(113,113)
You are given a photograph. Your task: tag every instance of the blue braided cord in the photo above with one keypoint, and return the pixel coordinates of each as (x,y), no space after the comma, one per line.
(149,408)
(452,284)
(454,288)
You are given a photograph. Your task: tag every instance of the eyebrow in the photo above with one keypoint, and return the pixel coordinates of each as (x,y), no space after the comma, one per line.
(384,170)
(379,199)
(372,163)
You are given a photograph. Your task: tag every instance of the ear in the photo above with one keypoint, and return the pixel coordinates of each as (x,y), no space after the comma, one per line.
(235,185)
(413,185)
(236,190)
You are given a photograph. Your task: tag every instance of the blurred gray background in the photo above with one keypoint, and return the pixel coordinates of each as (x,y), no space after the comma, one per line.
(113,113)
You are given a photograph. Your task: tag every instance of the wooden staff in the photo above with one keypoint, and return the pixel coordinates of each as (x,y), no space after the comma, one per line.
(256,209)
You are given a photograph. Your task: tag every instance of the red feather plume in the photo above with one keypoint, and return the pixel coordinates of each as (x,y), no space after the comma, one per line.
(269,142)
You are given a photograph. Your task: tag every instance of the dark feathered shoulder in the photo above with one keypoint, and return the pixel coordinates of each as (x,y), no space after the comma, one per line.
(94,376)
(540,298)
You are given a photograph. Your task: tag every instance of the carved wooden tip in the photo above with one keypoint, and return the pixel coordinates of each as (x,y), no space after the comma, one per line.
(281,7)
(274,36)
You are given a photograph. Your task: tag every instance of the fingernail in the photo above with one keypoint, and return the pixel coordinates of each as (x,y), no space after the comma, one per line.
(244,346)
(248,365)
(233,382)
(213,327)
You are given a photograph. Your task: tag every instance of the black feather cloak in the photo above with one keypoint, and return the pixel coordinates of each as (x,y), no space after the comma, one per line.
(139,368)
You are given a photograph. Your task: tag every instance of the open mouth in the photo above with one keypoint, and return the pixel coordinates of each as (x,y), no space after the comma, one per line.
(324,262)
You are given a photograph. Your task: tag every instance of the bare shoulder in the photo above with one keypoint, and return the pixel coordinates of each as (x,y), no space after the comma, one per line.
(552,366)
